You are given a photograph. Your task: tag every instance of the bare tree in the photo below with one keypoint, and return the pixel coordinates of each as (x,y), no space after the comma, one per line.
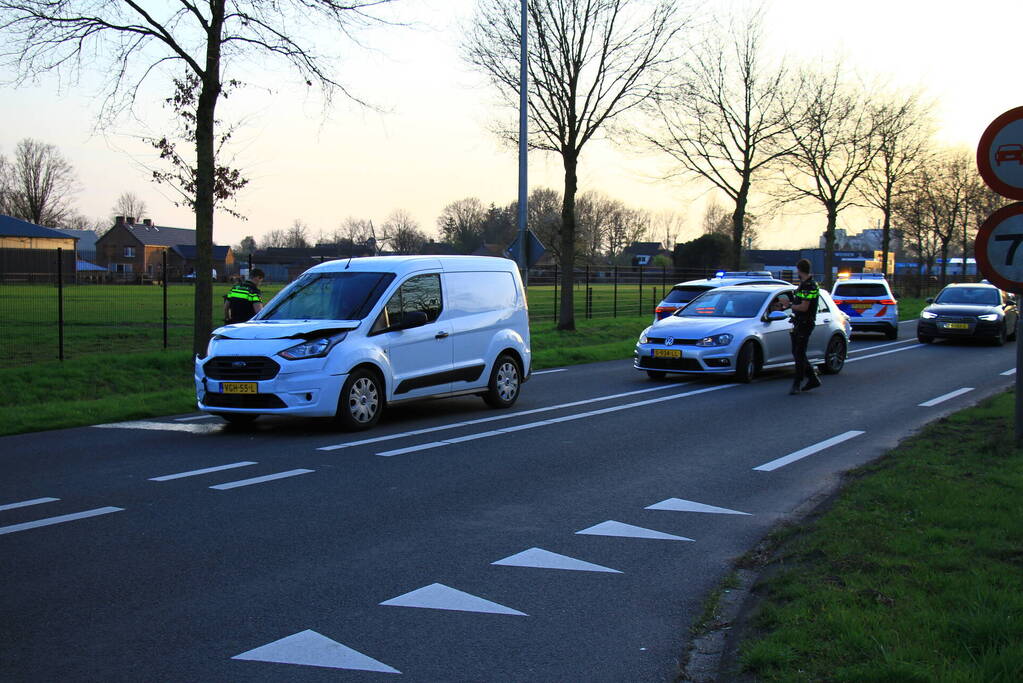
(135,41)
(297,236)
(668,225)
(728,118)
(832,149)
(41,184)
(130,204)
(624,226)
(946,195)
(592,211)
(403,233)
(902,132)
(461,223)
(589,61)
(543,218)
(913,217)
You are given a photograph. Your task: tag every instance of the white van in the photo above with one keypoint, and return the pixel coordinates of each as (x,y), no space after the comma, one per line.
(351,336)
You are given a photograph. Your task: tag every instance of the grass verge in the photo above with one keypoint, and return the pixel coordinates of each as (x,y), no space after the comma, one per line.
(915,573)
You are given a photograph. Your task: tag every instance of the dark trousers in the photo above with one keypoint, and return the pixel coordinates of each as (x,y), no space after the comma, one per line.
(800,340)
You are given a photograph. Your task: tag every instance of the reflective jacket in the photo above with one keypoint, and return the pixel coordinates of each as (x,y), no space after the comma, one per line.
(242,300)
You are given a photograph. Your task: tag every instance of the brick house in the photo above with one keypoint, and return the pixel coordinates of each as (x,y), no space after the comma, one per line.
(135,251)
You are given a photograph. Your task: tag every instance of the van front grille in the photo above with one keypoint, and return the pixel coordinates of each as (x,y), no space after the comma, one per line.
(241,368)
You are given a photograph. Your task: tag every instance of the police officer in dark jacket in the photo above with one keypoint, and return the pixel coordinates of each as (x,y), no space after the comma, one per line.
(804,309)
(244,300)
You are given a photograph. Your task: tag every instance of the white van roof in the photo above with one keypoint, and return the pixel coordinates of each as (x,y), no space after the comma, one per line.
(409,264)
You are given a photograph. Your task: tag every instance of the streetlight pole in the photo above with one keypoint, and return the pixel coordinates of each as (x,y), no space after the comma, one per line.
(523,137)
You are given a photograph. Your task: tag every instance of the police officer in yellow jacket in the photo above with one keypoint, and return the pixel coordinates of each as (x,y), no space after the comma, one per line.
(244,300)
(804,318)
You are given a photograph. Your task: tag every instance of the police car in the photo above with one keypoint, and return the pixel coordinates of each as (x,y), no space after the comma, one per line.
(684,292)
(868,301)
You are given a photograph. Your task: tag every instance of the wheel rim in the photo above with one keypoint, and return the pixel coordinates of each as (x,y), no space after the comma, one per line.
(836,355)
(363,400)
(507,381)
(751,364)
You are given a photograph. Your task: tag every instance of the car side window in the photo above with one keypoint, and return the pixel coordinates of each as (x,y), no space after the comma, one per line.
(822,306)
(420,293)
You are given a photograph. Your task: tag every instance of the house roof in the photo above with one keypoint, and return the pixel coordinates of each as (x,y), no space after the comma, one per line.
(82,266)
(160,235)
(646,248)
(86,238)
(15,227)
(187,251)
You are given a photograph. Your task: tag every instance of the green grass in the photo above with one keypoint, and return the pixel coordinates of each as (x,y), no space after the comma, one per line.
(914,574)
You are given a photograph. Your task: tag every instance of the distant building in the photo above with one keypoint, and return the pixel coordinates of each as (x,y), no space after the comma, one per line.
(136,251)
(28,251)
(870,239)
(643,253)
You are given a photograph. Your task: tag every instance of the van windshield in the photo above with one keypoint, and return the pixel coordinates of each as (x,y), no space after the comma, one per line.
(328,296)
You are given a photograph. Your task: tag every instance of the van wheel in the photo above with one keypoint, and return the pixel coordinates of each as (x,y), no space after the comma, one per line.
(746,363)
(834,356)
(505,380)
(361,401)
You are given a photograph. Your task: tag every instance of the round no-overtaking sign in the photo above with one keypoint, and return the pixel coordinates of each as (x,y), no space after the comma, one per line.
(999,248)
(1000,154)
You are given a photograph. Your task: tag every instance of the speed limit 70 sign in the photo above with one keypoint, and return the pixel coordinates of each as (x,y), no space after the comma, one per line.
(999,248)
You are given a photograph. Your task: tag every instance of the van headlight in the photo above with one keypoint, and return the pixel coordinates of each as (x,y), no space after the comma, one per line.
(716,340)
(313,348)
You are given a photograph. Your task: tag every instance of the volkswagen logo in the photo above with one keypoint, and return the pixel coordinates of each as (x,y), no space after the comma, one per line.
(669,341)
(238,364)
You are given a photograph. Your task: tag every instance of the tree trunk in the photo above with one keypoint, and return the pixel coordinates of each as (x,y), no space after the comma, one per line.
(204,181)
(829,246)
(739,223)
(886,230)
(944,262)
(567,314)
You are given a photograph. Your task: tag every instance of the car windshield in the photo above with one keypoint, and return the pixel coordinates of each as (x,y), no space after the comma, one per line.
(976,296)
(718,304)
(684,294)
(328,296)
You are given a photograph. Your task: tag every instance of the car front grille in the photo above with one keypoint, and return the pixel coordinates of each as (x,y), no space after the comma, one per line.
(241,368)
(676,364)
(676,342)
(265,401)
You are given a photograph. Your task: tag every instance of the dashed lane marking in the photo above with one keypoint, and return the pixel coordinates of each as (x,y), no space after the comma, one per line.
(538,558)
(26,503)
(532,425)
(205,470)
(679,505)
(623,530)
(310,648)
(885,353)
(945,397)
(547,372)
(259,480)
(484,420)
(50,521)
(439,596)
(809,450)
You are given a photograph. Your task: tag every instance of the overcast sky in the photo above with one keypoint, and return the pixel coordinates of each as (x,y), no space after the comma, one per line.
(430,145)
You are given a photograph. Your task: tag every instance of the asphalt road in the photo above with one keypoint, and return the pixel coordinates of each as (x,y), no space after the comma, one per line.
(566,539)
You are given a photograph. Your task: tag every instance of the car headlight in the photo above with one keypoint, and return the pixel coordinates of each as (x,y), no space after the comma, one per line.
(716,340)
(990,317)
(927,315)
(642,336)
(314,348)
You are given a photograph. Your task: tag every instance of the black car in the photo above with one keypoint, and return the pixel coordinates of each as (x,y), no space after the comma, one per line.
(969,311)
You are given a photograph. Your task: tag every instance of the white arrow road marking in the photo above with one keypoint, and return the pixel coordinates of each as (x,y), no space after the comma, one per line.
(505,416)
(945,397)
(439,596)
(309,648)
(539,558)
(1009,372)
(679,505)
(809,450)
(205,470)
(553,420)
(26,503)
(260,480)
(163,427)
(612,528)
(49,521)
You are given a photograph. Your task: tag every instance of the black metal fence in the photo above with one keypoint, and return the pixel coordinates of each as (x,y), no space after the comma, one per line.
(51,312)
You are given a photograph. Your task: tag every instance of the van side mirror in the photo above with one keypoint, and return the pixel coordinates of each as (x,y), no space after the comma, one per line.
(409,320)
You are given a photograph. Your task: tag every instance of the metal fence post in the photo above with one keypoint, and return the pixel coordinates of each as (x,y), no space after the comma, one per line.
(589,294)
(60,303)
(555,292)
(614,309)
(639,297)
(164,298)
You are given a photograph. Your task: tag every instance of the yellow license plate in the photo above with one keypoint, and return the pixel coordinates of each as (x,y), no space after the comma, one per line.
(238,387)
(667,353)
(956,326)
